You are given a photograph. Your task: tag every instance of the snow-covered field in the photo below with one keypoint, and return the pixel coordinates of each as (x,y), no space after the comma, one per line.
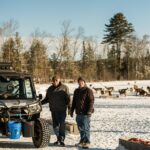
(126,116)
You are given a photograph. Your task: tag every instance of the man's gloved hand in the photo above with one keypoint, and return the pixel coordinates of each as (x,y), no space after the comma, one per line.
(89,114)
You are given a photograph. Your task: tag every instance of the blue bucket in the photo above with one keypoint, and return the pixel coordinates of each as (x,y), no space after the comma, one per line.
(14,129)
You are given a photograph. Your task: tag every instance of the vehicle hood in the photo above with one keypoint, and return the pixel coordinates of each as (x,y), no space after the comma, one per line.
(16,103)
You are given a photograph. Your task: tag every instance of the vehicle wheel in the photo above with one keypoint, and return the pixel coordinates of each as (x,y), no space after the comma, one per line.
(41,133)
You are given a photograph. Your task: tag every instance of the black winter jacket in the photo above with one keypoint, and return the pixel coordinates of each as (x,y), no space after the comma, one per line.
(57,97)
(83,101)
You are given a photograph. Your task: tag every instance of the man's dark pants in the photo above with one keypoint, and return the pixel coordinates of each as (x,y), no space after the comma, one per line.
(83,122)
(58,118)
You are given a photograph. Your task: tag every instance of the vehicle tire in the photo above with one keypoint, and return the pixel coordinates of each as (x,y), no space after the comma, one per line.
(41,133)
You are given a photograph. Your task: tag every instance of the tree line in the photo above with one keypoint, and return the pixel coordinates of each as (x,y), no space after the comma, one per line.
(120,56)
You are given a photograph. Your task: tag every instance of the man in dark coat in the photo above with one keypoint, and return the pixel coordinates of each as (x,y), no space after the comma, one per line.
(83,101)
(58,98)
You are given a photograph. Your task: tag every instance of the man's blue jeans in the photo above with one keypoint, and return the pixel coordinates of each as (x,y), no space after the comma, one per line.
(58,118)
(83,122)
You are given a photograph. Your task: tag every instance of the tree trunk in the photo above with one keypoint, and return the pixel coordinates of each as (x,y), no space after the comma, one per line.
(118,60)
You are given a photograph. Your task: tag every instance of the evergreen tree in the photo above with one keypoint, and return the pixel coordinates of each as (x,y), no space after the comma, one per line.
(99,67)
(84,57)
(8,50)
(26,62)
(88,63)
(11,51)
(39,61)
(117,31)
(18,52)
(54,62)
(111,55)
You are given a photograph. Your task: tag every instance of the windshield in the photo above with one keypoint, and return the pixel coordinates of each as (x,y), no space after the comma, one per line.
(15,88)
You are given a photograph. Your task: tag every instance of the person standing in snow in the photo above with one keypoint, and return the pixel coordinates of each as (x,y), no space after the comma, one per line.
(58,98)
(83,101)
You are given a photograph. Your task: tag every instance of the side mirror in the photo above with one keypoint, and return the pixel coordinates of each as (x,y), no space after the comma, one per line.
(40,96)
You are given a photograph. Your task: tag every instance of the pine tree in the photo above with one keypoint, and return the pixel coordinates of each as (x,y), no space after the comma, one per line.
(111,55)
(88,61)
(117,31)
(8,50)
(39,61)
(11,51)
(18,52)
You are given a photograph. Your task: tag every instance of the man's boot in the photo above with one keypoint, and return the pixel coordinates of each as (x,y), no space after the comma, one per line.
(57,142)
(62,144)
(61,140)
(80,144)
(86,145)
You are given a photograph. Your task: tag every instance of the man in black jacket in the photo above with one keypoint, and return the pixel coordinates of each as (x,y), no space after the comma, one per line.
(58,98)
(83,101)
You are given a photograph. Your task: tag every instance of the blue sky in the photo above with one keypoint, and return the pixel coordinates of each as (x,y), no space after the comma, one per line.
(89,14)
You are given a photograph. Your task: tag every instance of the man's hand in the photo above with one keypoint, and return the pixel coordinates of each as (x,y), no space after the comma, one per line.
(89,114)
(71,114)
(69,111)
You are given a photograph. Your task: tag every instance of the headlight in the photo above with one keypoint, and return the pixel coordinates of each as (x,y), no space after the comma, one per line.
(34,108)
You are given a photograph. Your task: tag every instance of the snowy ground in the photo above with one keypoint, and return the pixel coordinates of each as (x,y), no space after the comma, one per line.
(113,118)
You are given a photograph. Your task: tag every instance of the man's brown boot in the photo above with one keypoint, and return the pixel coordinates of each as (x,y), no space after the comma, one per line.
(86,145)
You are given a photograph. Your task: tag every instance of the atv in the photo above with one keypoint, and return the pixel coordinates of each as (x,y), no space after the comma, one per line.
(20,108)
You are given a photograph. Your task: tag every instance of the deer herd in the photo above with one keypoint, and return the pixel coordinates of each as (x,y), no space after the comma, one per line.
(109,91)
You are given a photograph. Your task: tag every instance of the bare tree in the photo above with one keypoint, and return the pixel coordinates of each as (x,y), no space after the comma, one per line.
(77,42)
(67,49)
(136,50)
(8,28)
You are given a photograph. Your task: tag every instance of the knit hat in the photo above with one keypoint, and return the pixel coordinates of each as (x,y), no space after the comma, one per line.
(81,79)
